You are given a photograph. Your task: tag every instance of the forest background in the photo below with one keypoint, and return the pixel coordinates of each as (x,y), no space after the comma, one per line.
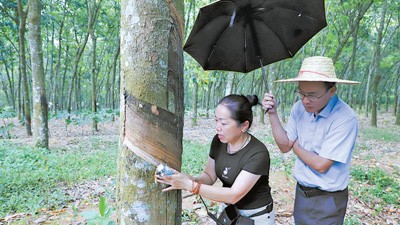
(81,72)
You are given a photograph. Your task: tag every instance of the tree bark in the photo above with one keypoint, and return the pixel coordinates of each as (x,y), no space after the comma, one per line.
(370,71)
(93,11)
(352,62)
(91,22)
(377,64)
(209,89)
(10,94)
(114,73)
(40,126)
(229,83)
(396,92)
(151,110)
(58,65)
(22,67)
(195,101)
(398,115)
(93,79)
(63,80)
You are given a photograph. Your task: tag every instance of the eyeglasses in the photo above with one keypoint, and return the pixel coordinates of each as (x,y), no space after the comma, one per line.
(310,97)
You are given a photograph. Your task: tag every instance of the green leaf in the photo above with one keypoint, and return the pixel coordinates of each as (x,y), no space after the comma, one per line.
(89,215)
(102,206)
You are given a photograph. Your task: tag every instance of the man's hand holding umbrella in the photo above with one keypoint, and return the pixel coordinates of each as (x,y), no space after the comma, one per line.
(269,103)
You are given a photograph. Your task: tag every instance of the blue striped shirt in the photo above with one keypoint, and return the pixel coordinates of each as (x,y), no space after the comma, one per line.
(331,134)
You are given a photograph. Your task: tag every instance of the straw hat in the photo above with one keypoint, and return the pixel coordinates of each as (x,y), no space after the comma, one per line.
(318,68)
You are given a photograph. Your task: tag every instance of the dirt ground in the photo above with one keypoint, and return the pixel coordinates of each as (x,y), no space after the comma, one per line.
(282,185)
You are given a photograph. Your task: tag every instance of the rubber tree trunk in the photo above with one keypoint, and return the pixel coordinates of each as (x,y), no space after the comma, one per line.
(40,125)
(195,100)
(396,92)
(93,78)
(151,110)
(114,73)
(377,64)
(22,68)
(58,65)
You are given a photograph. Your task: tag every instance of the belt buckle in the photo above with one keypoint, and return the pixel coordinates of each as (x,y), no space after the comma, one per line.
(305,191)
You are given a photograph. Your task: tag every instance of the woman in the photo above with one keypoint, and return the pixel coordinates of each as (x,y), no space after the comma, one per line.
(238,159)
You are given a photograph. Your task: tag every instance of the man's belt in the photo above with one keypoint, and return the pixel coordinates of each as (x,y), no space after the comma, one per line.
(313,191)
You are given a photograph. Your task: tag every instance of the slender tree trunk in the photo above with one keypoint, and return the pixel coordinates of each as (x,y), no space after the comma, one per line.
(252,84)
(9,92)
(78,102)
(229,83)
(107,97)
(397,104)
(283,105)
(93,10)
(195,101)
(22,68)
(114,73)
(50,60)
(396,92)
(367,89)
(352,62)
(91,21)
(398,114)
(374,100)
(209,90)
(58,65)
(93,79)
(387,100)
(152,110)
(13,91)
(63,80)
(76,70)
(377,64)
(40,127)
(19,97)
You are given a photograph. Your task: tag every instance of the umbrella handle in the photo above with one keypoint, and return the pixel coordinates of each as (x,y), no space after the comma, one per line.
(232,18)
(265,80)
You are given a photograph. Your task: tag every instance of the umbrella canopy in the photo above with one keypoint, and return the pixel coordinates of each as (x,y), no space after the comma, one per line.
(243,35)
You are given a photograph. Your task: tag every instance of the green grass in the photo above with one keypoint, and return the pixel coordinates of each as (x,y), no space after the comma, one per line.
(194,157)
(33,178)
(374,133)
(352,220)
(375,186)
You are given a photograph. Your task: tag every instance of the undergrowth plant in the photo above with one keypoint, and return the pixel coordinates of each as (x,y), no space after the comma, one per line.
(100,217)
(86,117)
(194,157)
(378,188)
(374,133)
(35,178)
(6,127)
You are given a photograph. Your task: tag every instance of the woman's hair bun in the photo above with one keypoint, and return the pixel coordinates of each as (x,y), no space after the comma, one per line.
(253,99)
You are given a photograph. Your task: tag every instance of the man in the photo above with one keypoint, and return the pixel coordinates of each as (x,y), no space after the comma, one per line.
(321,130)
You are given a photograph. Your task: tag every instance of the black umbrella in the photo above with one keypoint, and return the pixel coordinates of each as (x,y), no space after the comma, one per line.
(243,35)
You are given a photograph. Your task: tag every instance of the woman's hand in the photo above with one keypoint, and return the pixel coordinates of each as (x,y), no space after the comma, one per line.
(175,181)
